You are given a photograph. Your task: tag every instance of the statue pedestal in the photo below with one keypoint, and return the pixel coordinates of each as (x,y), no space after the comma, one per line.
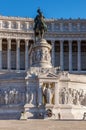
(70,112)
(30,111)
(41,54)
(49,112)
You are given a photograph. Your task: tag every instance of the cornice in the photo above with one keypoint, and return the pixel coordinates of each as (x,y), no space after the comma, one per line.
(9,18)
(27,19)
(48,36)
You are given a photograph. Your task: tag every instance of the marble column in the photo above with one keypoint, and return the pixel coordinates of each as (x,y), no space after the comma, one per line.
(56,94)
(26,54)
(1,22)
(61,27)
(9,24)
(19,25)
(27,26)
(18,55)
(70,27)
(61,55)
(9,54)
(53,53)
(0,53)
(79,56)
(78,26)
(52,27)
(70,55)
(40,102)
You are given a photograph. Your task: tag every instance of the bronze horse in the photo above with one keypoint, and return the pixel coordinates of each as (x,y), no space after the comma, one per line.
(39,25)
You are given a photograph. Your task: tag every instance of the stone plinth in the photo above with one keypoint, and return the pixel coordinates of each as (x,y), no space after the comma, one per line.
(30,111)
(41,54)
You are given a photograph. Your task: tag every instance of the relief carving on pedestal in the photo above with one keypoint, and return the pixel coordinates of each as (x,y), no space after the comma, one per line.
(41,55)
(12,96)
(72,96)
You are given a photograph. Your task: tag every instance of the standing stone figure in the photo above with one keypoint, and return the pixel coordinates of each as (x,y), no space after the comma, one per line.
(6,97)
(31,98)
(48,93)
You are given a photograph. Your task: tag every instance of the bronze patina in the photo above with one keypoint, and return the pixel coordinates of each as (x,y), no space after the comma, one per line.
(39,25)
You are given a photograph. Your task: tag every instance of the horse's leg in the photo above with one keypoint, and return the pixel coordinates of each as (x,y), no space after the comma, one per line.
(42,34)
(35,36)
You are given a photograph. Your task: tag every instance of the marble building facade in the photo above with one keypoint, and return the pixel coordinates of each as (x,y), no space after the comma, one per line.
(67,38)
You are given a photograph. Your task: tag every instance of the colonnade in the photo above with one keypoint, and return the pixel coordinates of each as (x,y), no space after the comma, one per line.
(26,60)
(70,54)
(17,53)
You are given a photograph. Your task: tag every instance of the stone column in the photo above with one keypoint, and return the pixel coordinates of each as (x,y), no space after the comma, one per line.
(53,53)
(0,53)
(9,54)
(78,26)
(40,94)
(1,22)
(19,25)
(61,55)
(61,27)
(70,55)
(27,26)
(26,55)
(70,27)
(56,94)
(9,24)
(79,56)
(52,26)
(18,55)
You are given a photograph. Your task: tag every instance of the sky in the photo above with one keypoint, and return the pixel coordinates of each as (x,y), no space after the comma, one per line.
(50,8)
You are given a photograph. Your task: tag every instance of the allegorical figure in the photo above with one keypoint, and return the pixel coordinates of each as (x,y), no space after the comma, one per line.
(39,25)
(48,94)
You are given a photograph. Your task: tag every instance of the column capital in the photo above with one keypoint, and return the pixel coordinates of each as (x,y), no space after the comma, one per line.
(27,40)
(70,40)
(9,39)
(18,40)
(79,40)
(40,83)
(52,41)
(61,40)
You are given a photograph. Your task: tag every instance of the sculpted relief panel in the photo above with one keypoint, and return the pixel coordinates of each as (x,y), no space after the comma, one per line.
(41,55)
(12,96)
(72,96)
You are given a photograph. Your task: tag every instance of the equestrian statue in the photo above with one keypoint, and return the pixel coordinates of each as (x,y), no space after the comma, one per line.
(39,25)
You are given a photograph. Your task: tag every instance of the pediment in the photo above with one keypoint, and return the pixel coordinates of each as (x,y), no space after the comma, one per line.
(48,75)
(52,75)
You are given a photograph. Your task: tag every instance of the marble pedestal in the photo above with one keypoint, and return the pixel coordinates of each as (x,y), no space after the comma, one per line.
(30,111)
(41,54)
(70,112)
